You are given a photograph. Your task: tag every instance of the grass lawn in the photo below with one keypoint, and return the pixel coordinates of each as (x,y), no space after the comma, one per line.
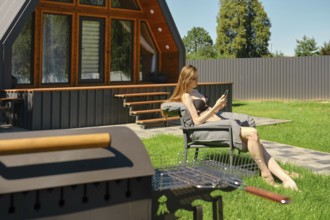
(310,203)
(309,128)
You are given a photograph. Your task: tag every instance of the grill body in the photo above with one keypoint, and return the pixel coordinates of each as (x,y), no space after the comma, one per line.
(104,183)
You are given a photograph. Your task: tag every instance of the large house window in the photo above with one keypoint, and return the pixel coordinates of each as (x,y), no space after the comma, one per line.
(148,55)
(122,44)
(125,4)
(93,2)
(56,38)
(91,49)
(22,56)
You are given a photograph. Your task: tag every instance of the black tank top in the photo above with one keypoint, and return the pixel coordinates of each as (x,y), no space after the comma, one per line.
(200,105)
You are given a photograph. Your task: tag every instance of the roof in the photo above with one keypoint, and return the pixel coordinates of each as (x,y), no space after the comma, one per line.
(8,10)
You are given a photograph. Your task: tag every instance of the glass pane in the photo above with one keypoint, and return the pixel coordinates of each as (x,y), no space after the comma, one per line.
(91,62)
(122,35)
(69,1)
(93,2)
(56,36)
(148,55)
(126,4)
(22,56)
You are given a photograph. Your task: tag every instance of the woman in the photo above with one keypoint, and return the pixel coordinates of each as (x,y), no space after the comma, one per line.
(201,113)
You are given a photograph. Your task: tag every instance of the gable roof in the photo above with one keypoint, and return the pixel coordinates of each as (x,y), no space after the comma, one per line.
(14,14)
(11,11)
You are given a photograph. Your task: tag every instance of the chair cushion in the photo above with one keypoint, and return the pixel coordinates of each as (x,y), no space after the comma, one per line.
(177,108)
(216,138)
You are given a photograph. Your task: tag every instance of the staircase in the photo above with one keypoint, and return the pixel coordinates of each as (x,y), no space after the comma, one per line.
(145,107)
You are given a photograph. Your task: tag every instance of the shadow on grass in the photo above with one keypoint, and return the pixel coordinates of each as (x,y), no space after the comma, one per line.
(238,104)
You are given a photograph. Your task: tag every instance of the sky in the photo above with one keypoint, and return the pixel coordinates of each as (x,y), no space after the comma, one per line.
(290,19)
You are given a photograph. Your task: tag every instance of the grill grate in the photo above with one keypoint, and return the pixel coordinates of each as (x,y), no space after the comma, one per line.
(208,169)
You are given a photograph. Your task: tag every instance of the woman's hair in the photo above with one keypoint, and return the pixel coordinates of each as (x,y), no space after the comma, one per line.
(186,75)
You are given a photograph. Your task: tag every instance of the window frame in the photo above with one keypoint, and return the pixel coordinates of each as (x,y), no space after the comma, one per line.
(71,32)
(101,51)
(133,76)
(139,9)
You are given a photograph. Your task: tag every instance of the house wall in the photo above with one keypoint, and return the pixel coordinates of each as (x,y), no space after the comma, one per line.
(75,107)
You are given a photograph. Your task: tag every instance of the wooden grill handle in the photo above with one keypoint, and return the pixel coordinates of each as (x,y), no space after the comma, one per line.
(55,143)
(267,195)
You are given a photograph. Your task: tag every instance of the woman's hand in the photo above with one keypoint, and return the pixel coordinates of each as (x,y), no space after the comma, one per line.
(220,103)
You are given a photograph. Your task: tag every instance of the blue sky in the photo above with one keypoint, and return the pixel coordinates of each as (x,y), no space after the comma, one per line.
(291,20)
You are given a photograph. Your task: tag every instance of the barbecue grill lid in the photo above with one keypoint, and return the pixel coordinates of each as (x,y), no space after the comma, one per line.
(126,157)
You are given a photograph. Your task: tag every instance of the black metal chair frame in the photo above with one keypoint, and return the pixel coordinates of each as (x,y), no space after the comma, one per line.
(190,144)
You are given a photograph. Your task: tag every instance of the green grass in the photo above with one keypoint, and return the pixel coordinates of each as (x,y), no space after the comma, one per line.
(310,203)
(309,127)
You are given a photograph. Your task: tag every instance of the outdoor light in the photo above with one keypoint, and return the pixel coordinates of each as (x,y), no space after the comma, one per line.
(167,47)
(160,29)
(152,11)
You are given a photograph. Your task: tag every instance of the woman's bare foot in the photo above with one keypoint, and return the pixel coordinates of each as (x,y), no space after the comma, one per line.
(290,184)
(270,180)
(292,174)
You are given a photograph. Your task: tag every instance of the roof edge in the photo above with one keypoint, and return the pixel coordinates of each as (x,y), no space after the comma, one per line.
(176,35)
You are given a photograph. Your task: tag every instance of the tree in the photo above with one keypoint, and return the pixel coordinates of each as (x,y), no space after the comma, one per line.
(198,44)
(277,54)
(306,47)
(325,50)
(243,29)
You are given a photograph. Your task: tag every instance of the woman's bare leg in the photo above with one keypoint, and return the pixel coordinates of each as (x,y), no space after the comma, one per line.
(275,169)
(251,138)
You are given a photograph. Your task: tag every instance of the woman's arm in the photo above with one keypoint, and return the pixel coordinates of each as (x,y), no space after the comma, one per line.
(200,119)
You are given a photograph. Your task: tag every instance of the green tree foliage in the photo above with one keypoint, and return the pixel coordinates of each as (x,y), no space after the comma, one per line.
(277,54)
(199,44)
(306,47)
(243,29)
(325,49)
(22,54)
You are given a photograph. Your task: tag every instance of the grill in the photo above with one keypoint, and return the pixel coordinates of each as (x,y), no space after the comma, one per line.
(182,182)
(106,173)
(96,182)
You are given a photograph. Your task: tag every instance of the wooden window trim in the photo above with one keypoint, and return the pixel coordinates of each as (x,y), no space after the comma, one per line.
(73,3)
(102,21)
(76,10)
(135,69)
(154,41)
(72,46)
(106,6)
(125,9)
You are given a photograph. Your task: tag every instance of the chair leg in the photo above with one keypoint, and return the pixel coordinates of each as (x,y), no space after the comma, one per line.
(198,212)
(217,208)
(185,156)
(231,157)
(196,153)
